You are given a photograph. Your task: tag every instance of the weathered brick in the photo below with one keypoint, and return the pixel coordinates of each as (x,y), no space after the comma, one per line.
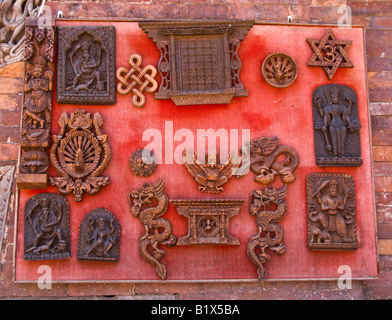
(382,137)
(9,151)
(383,168)
(374,8)
(13,70)
(384,23)
(10,117)
(380,108)
(384,231)
(380,94)
(8,101)
(11,85)
(9,134)
(382,153)
(376,50)
(381,122)
(383,184)
(379,64)
(379,36)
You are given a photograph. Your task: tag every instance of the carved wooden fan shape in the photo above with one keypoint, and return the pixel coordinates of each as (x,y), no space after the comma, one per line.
(279,70)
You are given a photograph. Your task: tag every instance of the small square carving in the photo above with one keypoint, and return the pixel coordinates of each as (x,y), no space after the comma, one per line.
(86,65)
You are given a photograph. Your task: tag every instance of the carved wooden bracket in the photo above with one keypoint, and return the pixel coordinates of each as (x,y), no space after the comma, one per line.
(37,107)
(208,220)
(199,61)
(331,211)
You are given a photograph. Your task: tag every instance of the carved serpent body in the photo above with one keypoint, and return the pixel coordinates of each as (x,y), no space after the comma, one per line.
(267,166)
(270,234)
(150,217)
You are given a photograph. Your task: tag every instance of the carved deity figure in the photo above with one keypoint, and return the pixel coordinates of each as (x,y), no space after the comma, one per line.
(45,224)
(85,59)
(38,87)
(100,238)
(336,120)
(331,211)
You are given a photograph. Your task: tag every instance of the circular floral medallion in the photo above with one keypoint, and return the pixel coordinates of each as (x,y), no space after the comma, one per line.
(279,70)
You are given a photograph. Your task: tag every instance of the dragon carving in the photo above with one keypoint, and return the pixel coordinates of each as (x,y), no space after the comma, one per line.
(157,230)
(269,205)
(263,160)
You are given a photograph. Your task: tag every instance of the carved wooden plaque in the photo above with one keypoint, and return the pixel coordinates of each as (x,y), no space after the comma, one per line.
(46,227)
(199,60)
(37,107)
(330,53)
(336,126)
(86,61)
(208,220)
(80,153)
(99,236)
(279,70)
(331,211)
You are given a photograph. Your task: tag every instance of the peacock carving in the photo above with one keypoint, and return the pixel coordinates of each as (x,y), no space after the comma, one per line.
(80,153)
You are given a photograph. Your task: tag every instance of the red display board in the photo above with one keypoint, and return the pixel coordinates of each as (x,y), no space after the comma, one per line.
(266,112)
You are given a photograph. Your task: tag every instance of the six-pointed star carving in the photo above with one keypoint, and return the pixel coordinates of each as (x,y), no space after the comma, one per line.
(330,53)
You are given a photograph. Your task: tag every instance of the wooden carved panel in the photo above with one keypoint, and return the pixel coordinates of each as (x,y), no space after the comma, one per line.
(37,107)
(80,153)
(330,53)
(199,60)
(208,220)
(279,70)
(209,174)
(268,159)
(99,236)
(46,227)
(336,126)
(86,65)
(143,165)
(331,211)
(157,230)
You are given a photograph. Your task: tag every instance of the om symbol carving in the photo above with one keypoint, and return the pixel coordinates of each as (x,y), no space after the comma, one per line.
(141,79)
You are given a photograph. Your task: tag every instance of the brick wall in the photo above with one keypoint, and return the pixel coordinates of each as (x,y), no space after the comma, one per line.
(375,15)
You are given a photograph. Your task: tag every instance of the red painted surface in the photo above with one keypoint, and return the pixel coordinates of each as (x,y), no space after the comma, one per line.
(267,111)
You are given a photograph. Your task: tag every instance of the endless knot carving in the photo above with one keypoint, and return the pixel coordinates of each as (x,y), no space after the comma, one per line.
(331,211)
(46,227)
(330,53)
(99,236)
(80,156)
(141,79)
(279,70)
(157,230)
